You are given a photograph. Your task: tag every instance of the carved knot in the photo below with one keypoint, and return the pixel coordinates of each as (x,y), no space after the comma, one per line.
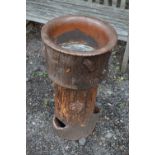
(76,107)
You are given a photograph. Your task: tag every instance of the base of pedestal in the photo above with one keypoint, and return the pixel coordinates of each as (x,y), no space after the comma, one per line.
(75,132)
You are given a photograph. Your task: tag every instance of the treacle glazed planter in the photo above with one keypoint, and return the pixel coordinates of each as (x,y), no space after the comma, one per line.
(77,51)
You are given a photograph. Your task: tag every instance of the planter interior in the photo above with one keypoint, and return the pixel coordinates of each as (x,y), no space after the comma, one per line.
(79,35)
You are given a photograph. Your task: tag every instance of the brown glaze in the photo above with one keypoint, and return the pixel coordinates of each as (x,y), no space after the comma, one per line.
(76,73)
(103,34)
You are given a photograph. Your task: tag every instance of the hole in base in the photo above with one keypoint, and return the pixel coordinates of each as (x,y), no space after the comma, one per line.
(96,110)
(59,123)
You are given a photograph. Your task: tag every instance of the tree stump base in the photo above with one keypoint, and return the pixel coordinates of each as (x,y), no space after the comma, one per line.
(75,112)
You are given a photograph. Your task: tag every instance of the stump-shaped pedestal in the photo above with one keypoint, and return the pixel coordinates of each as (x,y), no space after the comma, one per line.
(77,51)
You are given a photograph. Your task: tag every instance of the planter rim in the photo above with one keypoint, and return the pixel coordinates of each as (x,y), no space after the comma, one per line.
(110,32)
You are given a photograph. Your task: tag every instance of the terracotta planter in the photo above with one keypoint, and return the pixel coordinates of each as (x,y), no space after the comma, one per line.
(77,51)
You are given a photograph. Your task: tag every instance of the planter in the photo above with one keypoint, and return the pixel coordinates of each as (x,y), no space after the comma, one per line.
(77,50)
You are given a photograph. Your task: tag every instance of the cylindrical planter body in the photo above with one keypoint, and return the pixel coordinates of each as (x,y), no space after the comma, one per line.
(77,50)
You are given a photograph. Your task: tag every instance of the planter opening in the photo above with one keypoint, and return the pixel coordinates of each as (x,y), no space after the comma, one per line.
(96,110)
(59,123)
(79,35)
